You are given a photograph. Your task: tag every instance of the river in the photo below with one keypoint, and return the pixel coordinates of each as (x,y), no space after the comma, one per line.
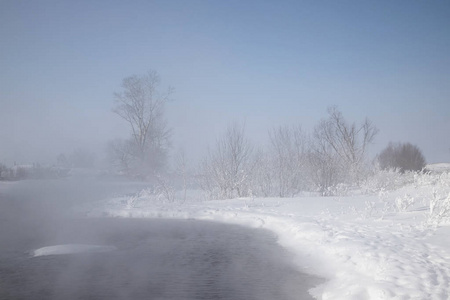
(150,259)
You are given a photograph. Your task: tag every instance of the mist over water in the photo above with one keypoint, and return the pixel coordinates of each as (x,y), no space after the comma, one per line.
(153,259)
(35,210)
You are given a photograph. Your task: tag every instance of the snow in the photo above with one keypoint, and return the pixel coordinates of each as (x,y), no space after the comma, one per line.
(439,167)
(71,249)
(391,244)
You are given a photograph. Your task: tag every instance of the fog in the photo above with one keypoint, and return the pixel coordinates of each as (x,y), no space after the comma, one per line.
(261,65)
(264,64)
(40,208)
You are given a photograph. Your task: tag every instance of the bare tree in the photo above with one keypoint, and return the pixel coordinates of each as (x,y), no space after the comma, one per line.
(404,157)
(325,166)
(62,161)
(142,105)
(227,168)
(342,144)
(264,177)
(120,154)
(181,168)
(4,172)
(349,141)
(288,148)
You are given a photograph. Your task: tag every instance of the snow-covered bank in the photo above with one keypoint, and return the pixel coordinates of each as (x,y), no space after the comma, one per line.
(72,249)
(384,246)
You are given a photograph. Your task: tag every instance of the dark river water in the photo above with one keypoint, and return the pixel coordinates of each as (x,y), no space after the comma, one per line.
(153,259)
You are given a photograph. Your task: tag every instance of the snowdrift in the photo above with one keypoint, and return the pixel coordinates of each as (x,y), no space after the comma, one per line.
(71,249)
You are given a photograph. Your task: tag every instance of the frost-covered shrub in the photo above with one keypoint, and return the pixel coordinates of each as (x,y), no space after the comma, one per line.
(157,194)
(444,179)
(404,202)
(227,170)
(386,180)
(434,191)
(409,191)
(439,209)
(431,179)
(287,160)
(340,189)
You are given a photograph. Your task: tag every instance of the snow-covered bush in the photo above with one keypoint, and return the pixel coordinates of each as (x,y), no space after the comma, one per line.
(444,179)
(430,179)
(402,192)
(165,189)
(386,180)
(263,181)
(157,194)
(408,192)
(226,171)
(340,189)
(436,196)
(404,202)
(288,159)
(439,209)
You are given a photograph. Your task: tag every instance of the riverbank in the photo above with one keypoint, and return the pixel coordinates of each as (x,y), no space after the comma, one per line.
(367,247)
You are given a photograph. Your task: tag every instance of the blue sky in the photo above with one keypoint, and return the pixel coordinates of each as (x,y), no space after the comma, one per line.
(265,63)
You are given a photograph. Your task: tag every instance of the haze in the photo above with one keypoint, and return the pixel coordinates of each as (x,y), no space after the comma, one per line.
(267,63)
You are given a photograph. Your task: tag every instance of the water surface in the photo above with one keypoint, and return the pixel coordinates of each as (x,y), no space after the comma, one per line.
(153,259)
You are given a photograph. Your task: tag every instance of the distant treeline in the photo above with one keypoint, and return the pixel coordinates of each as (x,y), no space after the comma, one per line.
(31,171)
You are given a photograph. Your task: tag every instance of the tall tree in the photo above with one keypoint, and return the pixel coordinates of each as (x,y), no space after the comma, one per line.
(142,105)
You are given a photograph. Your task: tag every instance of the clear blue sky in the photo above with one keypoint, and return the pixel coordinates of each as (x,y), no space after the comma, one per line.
(267,63)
